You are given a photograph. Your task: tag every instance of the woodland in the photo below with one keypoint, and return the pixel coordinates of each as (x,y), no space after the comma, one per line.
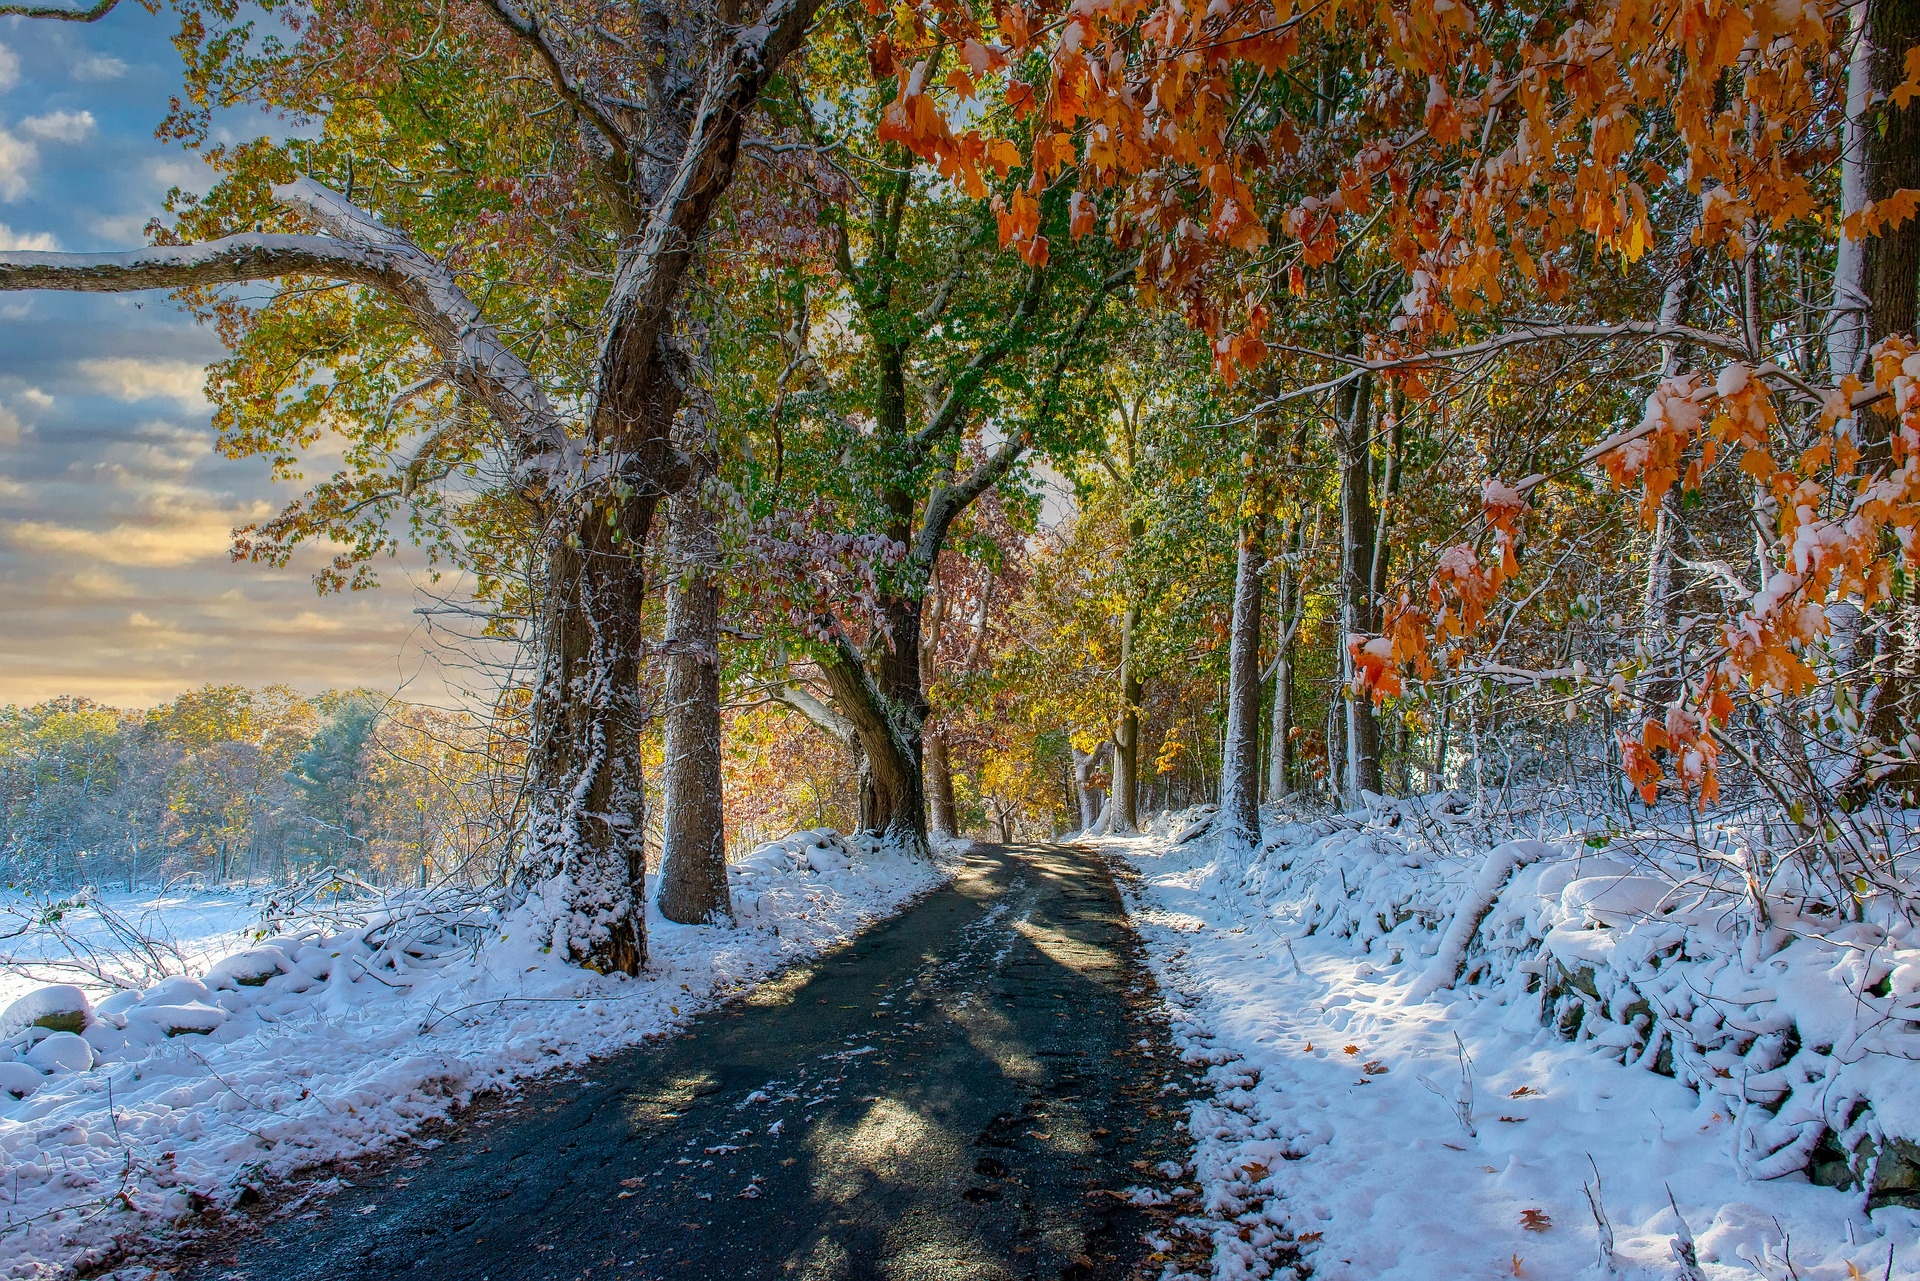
(1024,417)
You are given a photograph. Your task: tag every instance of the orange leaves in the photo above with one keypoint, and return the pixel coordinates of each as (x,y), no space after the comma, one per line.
(1443,118)
(1684,740)
(1877,217)
(1080,216)
(1372,661)
(1673,416)
(1019,220)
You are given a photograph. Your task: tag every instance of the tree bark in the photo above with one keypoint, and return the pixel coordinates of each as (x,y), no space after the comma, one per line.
(1126,738)
(1357,522)
(1238,824)
(946,820)
(693,849)
(889,731)
(1892,270)
(1088,796)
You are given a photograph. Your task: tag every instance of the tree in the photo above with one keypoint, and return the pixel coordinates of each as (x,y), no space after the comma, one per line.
(947,365)
(627,139)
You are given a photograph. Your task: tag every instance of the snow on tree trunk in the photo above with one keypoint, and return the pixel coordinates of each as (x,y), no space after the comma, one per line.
(583,863)
(693,850)
(1238,824)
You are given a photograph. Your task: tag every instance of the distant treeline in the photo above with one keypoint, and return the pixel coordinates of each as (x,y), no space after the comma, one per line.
(230,784)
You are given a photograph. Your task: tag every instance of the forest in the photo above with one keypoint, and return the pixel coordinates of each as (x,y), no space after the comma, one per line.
(1225,428)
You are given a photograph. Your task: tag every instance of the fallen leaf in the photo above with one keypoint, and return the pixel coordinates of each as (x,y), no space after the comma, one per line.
(1309,1049)
(1373,1067)
(1353,1049)
(1513,1120)
(1535,1220)
(1524,1091)
(1516,1265)
(1308,1238)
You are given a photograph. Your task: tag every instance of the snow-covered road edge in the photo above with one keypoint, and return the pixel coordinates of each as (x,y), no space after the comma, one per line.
(99,1163)
(1331,1138)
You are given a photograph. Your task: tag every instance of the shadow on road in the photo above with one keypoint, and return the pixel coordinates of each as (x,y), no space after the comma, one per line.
(960,1093)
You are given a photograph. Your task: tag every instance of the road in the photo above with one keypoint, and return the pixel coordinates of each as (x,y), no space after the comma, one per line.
(958,1094)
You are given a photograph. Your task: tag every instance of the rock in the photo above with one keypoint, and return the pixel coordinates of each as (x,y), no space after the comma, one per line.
(60,1008)
(1617,901)
(192,1017)
(19,1080)
(179,990)
(62,1052)
(1893,1169)
(114,1008)
(251,968)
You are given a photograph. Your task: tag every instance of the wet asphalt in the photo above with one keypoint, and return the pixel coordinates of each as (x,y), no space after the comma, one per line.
(959,1093)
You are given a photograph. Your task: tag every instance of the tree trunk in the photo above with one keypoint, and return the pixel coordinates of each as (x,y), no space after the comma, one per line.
(1090,798)
(1238,823)
(693,846)
(1892,270)
(1126,739)
(1357,519)
(1892,266)
(889,731)
(584,864)
(946,820)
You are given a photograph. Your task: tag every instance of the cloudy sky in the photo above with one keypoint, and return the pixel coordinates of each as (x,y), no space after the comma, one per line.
(115,511)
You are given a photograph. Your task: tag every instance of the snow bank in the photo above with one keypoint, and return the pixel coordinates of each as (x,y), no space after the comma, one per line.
(314,1046)
(1620,1031)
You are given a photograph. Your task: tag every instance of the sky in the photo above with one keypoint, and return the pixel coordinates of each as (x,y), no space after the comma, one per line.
(115,510)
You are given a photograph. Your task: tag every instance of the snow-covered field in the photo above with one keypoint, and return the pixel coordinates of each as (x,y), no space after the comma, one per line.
(1361,1128)
(201,926)
(322,1044)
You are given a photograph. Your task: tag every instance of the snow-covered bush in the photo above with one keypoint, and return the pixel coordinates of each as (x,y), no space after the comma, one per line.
(1804,1024)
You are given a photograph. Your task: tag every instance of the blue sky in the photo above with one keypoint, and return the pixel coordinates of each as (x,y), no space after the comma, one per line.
(115,511)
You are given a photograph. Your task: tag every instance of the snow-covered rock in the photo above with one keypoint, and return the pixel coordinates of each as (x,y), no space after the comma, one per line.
(1621,1014)
(60,1008)
(61,1052)
(18,1079)
(251,968)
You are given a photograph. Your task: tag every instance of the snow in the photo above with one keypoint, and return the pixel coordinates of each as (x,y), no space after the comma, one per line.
(1361,1120)
(326,1043)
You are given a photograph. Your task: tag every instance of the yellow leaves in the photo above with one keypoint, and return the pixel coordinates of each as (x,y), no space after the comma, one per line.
(1877,217)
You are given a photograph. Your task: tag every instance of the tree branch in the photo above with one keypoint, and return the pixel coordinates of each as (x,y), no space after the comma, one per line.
(360,249)
(947,417)
(56,12)
(527,27)
(650,273)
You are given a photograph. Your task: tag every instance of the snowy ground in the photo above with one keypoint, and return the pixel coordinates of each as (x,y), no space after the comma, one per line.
(354,1039)
(201,926)
(1337,1132)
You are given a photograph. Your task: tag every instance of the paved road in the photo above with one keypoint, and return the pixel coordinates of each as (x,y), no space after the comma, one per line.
(953,1096)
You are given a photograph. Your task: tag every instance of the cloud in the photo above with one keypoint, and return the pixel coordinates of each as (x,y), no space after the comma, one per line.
(98,66)
(9,68)
(35,241)
(167,546)
(10,427)
(60,126)
(37,398)
(17,157)
(128,378)
(90,584)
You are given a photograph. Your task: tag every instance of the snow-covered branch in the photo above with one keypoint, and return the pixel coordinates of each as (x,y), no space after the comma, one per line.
(358,249)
